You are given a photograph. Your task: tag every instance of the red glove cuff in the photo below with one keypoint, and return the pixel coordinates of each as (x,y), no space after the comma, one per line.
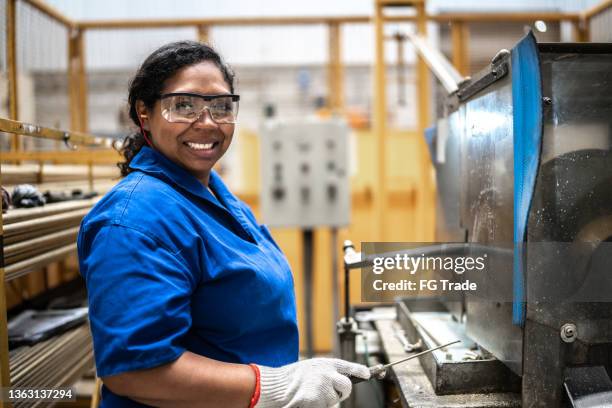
(257,391)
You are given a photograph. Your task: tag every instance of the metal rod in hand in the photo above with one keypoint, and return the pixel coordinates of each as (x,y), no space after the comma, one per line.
(378,371)
(384,367)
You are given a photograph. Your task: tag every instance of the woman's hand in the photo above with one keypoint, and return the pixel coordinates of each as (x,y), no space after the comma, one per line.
(314,383)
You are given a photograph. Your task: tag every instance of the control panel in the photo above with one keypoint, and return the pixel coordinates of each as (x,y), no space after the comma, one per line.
(305,174)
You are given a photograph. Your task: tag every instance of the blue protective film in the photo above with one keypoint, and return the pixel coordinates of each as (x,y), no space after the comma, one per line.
(526,98)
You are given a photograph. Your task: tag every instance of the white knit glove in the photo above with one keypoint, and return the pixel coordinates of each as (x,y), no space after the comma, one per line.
(314,383)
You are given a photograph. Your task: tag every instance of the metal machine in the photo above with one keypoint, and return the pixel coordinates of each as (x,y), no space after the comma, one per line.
(531,139)
(523,162)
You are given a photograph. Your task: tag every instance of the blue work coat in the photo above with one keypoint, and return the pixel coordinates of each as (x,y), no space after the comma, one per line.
(169,267)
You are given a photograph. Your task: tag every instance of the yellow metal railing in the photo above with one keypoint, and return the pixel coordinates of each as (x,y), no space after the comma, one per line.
(88,156)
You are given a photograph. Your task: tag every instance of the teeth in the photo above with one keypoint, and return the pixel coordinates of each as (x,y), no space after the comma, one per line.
(200,146)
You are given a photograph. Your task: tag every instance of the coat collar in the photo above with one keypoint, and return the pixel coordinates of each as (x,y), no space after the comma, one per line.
(152,162)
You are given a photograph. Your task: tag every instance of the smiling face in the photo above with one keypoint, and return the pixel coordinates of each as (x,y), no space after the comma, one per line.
(194,146)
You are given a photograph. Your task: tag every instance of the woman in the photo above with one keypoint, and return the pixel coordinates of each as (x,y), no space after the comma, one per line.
(191,301)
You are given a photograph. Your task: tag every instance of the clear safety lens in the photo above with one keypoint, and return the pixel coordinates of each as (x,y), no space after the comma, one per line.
(187,108)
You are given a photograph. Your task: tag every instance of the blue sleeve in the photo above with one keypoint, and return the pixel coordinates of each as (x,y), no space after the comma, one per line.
(139,298)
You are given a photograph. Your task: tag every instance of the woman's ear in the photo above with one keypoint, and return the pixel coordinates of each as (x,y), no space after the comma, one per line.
(143,116)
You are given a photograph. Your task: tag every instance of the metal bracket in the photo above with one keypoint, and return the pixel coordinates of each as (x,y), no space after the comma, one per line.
(471,88)
(66,139)
(408,347)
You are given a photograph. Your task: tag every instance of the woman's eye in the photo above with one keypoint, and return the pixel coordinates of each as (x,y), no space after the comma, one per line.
(221,107)
(182,106)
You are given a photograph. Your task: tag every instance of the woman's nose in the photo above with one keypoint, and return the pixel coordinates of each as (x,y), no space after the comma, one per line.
(205,119)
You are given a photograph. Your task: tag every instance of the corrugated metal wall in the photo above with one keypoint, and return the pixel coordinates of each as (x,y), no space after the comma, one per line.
(601,27)
(287,45)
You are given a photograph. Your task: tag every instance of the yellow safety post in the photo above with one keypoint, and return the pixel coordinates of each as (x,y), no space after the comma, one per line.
(460,36)
(380,122)
(203,33)
(335,74)
(11,59)
(77,81)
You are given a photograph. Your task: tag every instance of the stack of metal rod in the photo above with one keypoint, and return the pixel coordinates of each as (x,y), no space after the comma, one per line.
(54,363)
(60,178)
(35,237)
(53,173)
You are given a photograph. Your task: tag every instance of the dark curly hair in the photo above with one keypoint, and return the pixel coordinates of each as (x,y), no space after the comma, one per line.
(148,83)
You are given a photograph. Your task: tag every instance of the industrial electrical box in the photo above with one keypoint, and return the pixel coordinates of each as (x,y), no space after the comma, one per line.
(305,177)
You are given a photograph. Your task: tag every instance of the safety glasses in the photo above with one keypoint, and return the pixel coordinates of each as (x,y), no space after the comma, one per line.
(182,107)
